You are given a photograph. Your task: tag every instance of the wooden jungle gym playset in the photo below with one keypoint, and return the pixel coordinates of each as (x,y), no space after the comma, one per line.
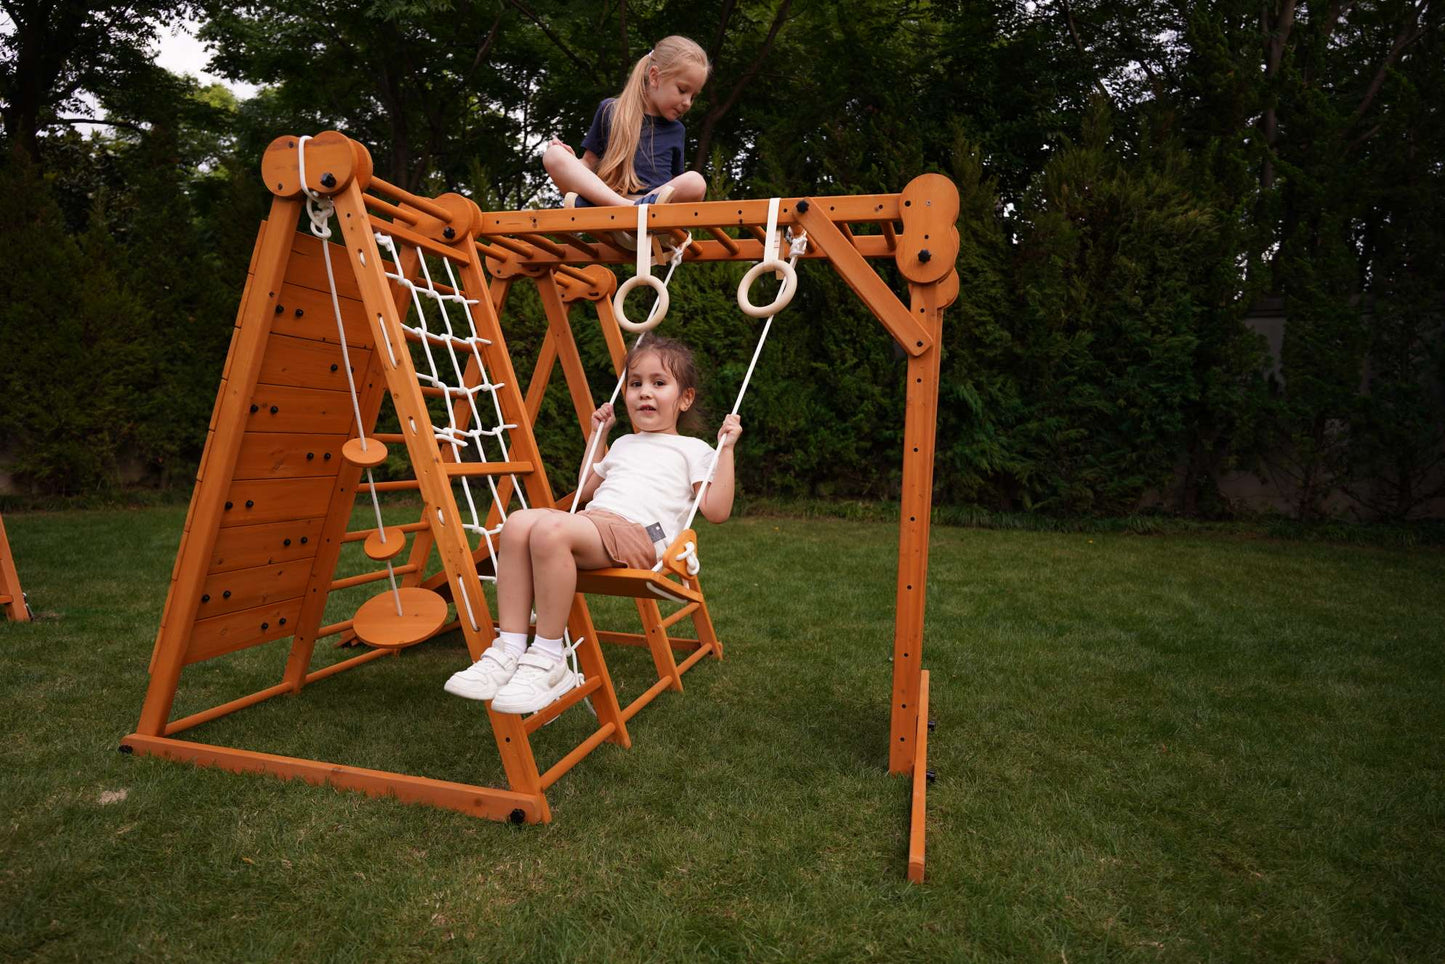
(406,304)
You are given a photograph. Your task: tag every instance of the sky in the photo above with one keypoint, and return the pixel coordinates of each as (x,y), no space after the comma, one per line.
(178,51)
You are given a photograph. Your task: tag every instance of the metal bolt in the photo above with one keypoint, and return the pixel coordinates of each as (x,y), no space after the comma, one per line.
(283,620)
(285,542)
(265,626)
(925,256)
(300,312)
(326,457)
(334,367)
(310,456)
(206,598)
(280,308)
(328,179)
(226,594)
(304,540)
(255,409)
(802,207)
(228,507)
(250,503)
(274,409)
(449,233)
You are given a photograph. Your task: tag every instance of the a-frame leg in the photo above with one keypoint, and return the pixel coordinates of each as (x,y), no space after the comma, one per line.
(657,642)
(12,599)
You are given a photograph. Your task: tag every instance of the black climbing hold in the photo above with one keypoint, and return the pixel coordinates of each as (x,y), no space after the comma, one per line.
(518,816)
(328,179)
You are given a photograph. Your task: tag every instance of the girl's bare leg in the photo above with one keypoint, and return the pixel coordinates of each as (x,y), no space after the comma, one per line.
(561,544)
(514,571)
(570,174)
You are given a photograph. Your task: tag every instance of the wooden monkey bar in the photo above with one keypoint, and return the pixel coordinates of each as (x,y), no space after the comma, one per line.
(278,480)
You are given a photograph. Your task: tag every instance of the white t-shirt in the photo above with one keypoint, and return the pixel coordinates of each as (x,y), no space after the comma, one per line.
(648,477)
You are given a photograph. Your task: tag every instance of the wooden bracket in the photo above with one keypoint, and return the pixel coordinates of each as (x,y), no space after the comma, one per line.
(824,234)
(333,160)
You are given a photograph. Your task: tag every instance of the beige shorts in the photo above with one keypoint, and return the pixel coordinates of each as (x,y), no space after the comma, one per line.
(626,541)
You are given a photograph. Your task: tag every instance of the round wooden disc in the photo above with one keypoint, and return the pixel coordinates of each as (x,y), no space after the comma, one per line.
(422,613)
(381,551)
(373,455)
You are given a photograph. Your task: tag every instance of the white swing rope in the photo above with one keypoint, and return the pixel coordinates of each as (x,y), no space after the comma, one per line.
(319,210)
(797,247)
(654,318)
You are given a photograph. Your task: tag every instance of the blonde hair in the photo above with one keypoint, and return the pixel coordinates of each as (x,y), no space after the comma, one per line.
(670,55)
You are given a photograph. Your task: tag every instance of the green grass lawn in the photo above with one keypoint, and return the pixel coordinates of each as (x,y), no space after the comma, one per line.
(1178,747)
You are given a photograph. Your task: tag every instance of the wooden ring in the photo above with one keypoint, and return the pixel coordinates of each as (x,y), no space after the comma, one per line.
(785,293)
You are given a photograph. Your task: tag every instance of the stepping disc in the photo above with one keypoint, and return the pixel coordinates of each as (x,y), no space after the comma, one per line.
(381,551)
(369,457)
(422,613)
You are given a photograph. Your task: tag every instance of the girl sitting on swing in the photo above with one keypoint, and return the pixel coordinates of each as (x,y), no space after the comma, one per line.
(637,492)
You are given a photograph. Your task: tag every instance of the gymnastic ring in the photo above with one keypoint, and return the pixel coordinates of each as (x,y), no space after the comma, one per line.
(659,311)
(785,293)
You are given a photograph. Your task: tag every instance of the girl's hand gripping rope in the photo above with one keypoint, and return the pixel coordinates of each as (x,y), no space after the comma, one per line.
(603,419)
(730,432)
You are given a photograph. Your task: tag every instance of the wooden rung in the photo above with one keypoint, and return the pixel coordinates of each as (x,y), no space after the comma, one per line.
(681,614)
(585,247)
(890,235)
(638,639)
(391,210)
(575,757)
(513,245)
(575,273)
(389,437)
(545,243)
(358,535)
(724,239)
(367,577)
(401,485)
(547,714)
(455,469)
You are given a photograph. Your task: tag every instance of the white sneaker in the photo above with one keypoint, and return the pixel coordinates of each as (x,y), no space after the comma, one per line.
(482,679)
(538,682)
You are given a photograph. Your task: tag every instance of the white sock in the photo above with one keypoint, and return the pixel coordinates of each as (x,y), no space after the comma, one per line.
(552,647)
(513,644)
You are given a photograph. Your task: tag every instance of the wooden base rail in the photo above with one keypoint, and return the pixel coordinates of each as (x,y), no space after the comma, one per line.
(489,802)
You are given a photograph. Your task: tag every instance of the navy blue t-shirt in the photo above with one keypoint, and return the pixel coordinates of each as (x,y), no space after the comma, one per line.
(659,146)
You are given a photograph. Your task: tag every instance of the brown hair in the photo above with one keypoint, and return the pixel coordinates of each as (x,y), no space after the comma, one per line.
(677,359)
(670,55)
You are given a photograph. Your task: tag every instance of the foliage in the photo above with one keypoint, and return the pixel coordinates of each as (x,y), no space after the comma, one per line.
(1134,177)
